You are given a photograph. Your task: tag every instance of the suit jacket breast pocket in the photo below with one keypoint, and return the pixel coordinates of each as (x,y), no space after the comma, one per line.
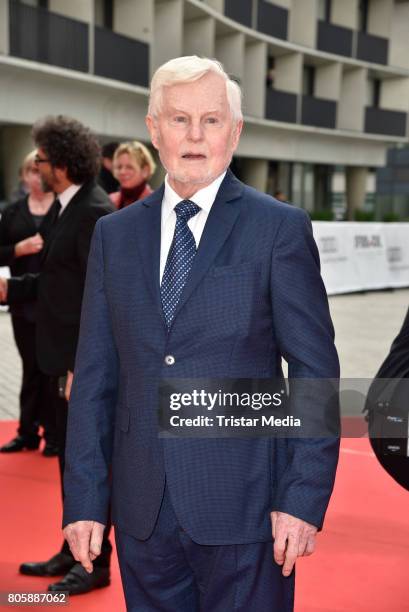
(248,268)
(228,297)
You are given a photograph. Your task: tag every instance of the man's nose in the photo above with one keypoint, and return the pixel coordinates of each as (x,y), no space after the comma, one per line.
(195,132)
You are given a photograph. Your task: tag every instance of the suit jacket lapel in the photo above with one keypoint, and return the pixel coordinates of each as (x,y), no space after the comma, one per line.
(220,222)
(61,221)
(148,233)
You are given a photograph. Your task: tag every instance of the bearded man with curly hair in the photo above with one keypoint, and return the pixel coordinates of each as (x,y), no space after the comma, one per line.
(67,158)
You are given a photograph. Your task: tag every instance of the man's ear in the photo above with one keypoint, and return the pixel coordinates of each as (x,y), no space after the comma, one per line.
(236,133)
(153,130)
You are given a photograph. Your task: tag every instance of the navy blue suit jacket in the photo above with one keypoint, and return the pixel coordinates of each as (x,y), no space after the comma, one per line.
(254,295)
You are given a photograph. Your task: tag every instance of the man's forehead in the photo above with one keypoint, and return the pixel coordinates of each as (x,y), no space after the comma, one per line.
(209,87)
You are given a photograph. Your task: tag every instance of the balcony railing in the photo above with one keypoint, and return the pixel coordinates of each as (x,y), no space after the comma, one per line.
(385,122)
(372,48)
(41,36)
(318,112)
(281,106)
(239,11)
(120,57)
(272,20)
(334,39)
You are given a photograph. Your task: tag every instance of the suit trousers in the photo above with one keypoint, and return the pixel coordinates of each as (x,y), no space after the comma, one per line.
(61,408)
(169,572)
(36,406)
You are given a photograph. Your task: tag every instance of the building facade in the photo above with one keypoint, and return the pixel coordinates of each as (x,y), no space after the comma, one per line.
(325,82)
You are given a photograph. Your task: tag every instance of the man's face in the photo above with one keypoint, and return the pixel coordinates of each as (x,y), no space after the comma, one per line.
(47,173)
(194,133)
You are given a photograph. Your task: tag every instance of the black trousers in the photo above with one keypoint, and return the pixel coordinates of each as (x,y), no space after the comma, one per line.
(36,405)
(61,410)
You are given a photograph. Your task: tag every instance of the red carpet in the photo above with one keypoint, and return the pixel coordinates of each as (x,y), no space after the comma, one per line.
(361,562)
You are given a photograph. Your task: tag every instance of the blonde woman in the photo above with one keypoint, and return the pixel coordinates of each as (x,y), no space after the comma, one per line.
(133,167)
(23,227)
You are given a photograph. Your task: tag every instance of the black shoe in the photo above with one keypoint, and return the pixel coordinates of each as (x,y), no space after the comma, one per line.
(56,566)
(50,450)
(78,581)
(19,443)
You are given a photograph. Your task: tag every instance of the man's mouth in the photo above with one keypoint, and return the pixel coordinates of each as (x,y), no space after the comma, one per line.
(193,156)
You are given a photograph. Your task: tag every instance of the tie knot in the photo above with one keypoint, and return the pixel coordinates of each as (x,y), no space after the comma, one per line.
(186,210)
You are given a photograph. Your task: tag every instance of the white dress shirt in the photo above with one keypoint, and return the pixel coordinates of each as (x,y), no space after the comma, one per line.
(203,198)
(66,196)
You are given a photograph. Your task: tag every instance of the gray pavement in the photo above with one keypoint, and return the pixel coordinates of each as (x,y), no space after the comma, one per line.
(365,325)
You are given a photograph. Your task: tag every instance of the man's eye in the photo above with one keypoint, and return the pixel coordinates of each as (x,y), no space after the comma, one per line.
(212,120)
(180,119)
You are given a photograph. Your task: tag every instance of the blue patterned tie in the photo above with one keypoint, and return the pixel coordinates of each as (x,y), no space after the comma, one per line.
(180,258)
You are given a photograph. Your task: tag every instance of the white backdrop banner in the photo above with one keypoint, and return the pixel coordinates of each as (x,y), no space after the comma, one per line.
(358,256)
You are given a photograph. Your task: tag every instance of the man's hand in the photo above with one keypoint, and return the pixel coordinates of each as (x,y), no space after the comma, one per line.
(3,289)
(85,539)
(30,245)
(68,385)
(292,538)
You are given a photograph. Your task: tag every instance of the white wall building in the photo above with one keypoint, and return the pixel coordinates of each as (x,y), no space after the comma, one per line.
(325,82)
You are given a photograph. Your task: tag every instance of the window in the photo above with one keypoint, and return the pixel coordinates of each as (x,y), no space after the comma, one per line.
(37,3)
(308,81)
(373,92)
(104,13)
(270,77)
(363,15)
(324,10)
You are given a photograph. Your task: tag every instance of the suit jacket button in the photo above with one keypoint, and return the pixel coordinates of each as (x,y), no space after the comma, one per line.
(169,360)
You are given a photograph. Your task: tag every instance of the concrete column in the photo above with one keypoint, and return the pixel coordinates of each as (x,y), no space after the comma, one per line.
(255,173)
(255,68)
(288,73)
(351,107)
(328,81)
(168,18)
(82,10)
(395,94)
(217,5)
(303,22)
(229,50)
(4,27)
(198,38)
(134,19)
(380,17)
(399,40)
(16,144)
(345,13)
(356,180)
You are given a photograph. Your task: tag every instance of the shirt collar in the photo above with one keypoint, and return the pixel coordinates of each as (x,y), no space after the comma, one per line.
(203,198)
(66,196)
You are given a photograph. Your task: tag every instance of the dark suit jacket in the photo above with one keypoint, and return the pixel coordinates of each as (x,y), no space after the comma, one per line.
(16,224)
(59,287)
(254,295)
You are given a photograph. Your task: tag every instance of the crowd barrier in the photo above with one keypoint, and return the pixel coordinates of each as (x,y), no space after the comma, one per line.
(358,256)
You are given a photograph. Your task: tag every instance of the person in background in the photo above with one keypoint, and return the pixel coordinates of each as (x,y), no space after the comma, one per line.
(133,167)
(105,178)
(20,190)
(280,195)
(23,227)
(68,158)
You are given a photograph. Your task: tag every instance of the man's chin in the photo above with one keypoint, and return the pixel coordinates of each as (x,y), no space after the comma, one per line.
(192,179)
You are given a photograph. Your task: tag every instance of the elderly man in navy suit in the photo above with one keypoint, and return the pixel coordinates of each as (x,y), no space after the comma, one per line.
(205,278)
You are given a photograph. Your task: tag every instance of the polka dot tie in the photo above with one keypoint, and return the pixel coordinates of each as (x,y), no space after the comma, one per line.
(180,258)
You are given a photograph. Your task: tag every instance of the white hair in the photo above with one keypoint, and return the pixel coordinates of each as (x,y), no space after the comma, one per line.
(185,70)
